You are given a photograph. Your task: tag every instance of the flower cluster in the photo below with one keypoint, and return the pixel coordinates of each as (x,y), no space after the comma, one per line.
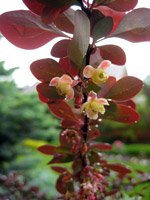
(94,105)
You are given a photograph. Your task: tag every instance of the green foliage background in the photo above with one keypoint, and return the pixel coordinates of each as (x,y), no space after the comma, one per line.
(26,123)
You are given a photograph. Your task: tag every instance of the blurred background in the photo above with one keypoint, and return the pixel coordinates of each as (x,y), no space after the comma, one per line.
(25,124)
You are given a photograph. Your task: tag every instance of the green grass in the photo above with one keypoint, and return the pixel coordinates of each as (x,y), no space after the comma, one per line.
(134,149)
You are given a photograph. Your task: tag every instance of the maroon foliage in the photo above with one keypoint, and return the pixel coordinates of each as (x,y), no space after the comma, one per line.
(113,53)
(101,146)
(123,5)
(132,29)
(26,30)
(46,91)
(45,69)
(62,110)
(125,89)
(121,169)
(68,66)
(48,10)
(121,113)
(47,149)
(59,50)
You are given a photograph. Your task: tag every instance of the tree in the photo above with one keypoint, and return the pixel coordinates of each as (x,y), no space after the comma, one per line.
(18,121)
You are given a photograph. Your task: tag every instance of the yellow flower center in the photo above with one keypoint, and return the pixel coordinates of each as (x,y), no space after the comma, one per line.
(63,88)
(95,107)
(99,76)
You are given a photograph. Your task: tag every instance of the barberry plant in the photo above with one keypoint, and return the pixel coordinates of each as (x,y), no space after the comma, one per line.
(80,89)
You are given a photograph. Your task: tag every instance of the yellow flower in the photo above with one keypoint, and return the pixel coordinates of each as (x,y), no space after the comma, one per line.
(97,75)
(63,85)
(94,105)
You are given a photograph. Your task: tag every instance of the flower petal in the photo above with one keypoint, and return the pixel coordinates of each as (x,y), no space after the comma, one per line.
(67,79)
(70,95)
(104,64)
(92,115)
(91,96)
(102,101)
(54,81)
(87,71)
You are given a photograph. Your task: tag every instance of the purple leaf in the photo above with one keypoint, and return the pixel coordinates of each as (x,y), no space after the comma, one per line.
(135,26)
(26,30)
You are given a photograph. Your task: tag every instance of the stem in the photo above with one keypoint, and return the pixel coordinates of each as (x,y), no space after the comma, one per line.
(86,120)
(88,54)
(86,10)
(85,127)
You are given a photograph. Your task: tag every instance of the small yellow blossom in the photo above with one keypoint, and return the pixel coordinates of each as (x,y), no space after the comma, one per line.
(63,85)
(97,75)
(94,106)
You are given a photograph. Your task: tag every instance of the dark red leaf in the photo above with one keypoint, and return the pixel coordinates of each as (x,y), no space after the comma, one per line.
(101,146)
(123,5)
(128,103)
(48,10)
(93,134)
(121,113)
(54,8)
(62,110)
(113,53)
(116,16)
(48,91)
(125,89)
(25,29)
(61,185)
(72,124)
(43,99)
(35,6)
(65,21)
(105,88)
(47,149)
(132,29)
(46,69)
(56,159)
(59,169)
(51,13)
(59,50)
(58,3)
(68,66)
(121,169)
